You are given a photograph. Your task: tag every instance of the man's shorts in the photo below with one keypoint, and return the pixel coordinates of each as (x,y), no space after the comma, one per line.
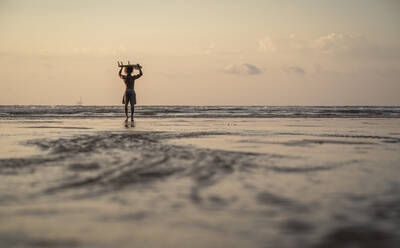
(129,97)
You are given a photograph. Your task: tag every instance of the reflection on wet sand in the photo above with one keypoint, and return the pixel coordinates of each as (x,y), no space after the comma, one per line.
(187,183)
(129,124)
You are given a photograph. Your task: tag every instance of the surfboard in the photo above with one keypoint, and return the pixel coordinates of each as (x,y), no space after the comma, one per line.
(120,64)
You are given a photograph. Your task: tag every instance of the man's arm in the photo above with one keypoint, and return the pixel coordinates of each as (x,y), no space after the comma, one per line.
(140,72)
(119,73)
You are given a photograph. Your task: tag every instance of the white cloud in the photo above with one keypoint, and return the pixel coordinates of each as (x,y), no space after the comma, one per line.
(266,44)
(244,69)
(281,43)
(335,44)
(338,43)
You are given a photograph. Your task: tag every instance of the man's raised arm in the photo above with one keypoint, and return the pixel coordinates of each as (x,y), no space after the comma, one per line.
(140,72)
(119,73)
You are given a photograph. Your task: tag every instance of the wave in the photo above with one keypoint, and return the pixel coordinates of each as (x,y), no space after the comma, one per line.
(63,111)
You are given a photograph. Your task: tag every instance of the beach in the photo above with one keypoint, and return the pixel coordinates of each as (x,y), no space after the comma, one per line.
(200,177)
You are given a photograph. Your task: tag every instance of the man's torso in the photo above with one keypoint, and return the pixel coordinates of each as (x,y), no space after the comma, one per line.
(129,82)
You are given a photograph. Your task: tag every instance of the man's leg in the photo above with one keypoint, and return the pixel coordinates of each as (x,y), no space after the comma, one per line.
(132,111)
(126,109)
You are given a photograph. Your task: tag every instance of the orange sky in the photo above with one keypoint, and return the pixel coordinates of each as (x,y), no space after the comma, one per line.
(201,52)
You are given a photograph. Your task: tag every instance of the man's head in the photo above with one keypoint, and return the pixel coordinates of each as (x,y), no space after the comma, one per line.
(128,69)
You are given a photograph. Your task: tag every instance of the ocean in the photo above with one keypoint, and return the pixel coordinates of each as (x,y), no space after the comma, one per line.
(77,111)
(200,176)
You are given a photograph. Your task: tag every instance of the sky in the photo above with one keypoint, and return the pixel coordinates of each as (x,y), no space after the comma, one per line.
(208,52)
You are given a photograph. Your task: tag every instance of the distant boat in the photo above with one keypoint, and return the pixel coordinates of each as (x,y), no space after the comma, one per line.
(79,102)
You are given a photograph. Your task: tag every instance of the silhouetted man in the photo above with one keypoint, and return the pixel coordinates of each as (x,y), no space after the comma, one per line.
(129,80)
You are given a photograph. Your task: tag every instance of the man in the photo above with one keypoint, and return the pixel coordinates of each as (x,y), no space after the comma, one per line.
(129,80)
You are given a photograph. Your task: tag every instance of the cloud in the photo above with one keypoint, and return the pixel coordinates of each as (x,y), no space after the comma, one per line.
(281,43)
(295,70)
(210,48)
(244,69)
(336,43)
(266,44)
(333,44)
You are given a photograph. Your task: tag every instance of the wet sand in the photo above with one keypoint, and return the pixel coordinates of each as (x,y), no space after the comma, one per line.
(185,182)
